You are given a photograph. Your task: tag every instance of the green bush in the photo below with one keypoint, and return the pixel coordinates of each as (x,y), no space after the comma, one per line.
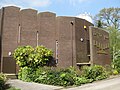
(2,81)
(26,74)
(30,57)
(82,80)
(95,72)
(41,56)
(21,55)
(115,72)
(61,77)
(116,64)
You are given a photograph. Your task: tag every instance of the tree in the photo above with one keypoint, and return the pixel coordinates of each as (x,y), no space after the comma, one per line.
(99,24)
(114,42)
(108,17)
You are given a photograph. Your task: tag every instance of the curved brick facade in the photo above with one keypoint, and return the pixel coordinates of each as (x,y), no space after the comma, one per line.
(68,37)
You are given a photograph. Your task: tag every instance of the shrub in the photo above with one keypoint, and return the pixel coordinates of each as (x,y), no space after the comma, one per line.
(116,64)
(2,81)
(82,80)
(95,72)
(21,55)
(30,57)
(61,77)
(115,72)
(41,56)
(26,74)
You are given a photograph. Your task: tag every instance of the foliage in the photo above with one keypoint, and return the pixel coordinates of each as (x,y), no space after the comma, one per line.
(114,42)
(115,72)
(30,57)
(41,56)
(21,55)
(109,17)
(26,74)
(115,47)
(4,86)
(62,77)
(95,72)
(13,88)
(116,64)
(2,81)
(99,24)
(82,80)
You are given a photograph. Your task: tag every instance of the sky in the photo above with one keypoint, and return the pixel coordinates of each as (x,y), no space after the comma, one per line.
(64,7)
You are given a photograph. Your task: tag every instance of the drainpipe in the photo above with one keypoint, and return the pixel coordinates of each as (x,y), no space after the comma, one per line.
(37,37)
(1,32)
(72,23)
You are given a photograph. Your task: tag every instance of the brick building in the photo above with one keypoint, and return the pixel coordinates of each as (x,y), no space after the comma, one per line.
(74,41)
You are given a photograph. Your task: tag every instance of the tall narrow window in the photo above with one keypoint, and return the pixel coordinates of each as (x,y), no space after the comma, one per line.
(19,30)
(88,47)
(56,51)
(37,37)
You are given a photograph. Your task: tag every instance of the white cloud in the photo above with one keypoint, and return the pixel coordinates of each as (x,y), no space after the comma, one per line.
(37,3)
(86,16)
(26,3)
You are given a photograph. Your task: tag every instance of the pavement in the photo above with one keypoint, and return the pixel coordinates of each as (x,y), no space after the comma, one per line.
(109,84)
(31,85)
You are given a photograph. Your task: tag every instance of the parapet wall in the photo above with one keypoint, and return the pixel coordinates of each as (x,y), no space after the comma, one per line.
(99,46)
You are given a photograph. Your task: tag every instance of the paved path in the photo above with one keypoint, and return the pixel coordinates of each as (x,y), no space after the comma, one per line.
(110,84)
(31,85)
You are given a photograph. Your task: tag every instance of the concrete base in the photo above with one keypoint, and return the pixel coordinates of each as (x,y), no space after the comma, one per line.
(11,76)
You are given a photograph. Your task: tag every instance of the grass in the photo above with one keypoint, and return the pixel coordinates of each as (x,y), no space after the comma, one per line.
(13,88)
